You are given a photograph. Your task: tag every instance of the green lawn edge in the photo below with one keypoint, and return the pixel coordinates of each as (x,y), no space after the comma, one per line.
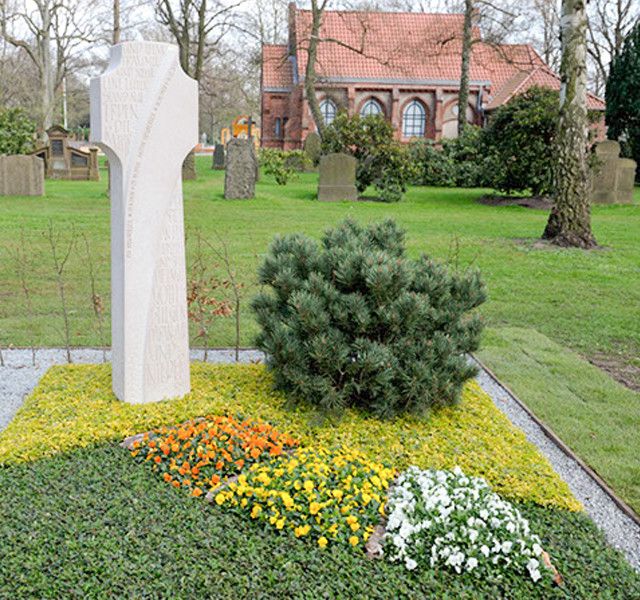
(598,418)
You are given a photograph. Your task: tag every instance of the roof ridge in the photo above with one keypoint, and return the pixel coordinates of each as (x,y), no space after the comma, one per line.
(384,12)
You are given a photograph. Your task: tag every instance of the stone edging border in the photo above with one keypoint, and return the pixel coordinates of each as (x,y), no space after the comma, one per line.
(621,504)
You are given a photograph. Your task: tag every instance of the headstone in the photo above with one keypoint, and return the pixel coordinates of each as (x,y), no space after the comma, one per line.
(189,167)
(240,173)
(218,157)
(21,175)
(614,177)
(312,148)
(144,114)
(337,177)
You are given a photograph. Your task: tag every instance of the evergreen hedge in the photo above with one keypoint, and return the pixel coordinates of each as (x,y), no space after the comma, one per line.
(353,322)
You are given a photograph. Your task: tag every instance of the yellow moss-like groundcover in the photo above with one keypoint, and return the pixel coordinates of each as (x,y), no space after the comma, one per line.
(73,407)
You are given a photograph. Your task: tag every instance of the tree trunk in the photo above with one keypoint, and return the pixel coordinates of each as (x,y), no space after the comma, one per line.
(463,95)
(47,75)
(116,22)
(570,220)
(310,73)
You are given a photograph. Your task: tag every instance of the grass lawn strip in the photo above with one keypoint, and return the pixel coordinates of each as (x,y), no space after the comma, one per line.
(94,524)
(73,406)
(596,417)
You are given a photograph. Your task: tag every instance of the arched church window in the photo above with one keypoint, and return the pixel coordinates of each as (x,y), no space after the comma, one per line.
(328,110)
(414,119)
(371,107)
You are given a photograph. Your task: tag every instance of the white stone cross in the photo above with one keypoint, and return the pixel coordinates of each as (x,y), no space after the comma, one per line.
(144,115)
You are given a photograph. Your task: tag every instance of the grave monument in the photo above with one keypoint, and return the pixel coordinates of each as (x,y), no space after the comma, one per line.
(337,177)
(218,157)
(614,177)
(67,158)
(241,170)
(21,175)
(144,114)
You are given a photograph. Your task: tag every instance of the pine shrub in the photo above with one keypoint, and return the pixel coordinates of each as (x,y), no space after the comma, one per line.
(351,321)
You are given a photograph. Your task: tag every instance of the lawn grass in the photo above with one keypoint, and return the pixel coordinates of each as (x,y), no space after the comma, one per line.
(586,302)
(597,416)
(94,524)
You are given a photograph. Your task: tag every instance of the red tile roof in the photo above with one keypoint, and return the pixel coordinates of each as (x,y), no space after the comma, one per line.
(277,70)
(410,47)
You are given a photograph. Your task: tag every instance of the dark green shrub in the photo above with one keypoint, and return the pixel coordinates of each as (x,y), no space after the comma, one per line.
(382,161)
(456,162)
(520,139)
(623,97)
(17,131)
(282,164)
(351,321)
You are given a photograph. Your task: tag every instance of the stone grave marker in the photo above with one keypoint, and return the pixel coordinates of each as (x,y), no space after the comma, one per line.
(614,177)
(218,157)
(312,148)
(337,177)
(241,169)
(189,167)
(21,175)
(144,114)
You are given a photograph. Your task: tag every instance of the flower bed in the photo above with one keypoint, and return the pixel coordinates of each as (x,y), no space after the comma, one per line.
(444,519)
(198,454)
(330,497)
(73,407)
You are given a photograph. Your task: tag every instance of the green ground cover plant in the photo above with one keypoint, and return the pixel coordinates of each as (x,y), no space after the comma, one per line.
(126,532)
(73,406)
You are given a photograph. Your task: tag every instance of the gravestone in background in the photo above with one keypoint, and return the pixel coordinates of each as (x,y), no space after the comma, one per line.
(337,177)
(614,177)
(144,114)
(218,157)
(241,169)
(21,175)
(189,167)
(312,148)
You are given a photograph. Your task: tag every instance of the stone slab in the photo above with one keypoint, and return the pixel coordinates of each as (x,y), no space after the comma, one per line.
(337,178)
(189,167)
(218,157)
(21,175)
(241,170)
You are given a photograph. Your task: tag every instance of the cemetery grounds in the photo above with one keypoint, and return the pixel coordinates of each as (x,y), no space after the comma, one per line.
(551,316)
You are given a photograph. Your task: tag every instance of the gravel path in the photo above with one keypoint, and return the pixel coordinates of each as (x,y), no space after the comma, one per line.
(18,377)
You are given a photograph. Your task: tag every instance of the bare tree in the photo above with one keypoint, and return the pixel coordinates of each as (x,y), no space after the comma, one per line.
(22,257)
(60,253)
(608,24)
(197,27)
(310,76)
(546,15)
(49,32)
(569,223)
(222,253)
(96,299)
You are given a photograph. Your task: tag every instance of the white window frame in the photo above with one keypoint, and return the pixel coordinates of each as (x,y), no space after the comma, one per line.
(414,119)
(329,110)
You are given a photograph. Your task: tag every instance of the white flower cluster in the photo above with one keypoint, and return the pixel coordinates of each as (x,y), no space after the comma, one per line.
(446,519)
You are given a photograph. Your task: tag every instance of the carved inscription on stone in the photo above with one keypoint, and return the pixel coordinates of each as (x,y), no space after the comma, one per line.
(144,114)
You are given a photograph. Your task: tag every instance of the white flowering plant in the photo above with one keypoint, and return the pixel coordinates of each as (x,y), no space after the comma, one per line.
(445,519)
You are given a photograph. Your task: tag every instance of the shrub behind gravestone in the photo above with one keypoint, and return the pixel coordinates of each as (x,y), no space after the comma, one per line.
(17,131)
(351,321)
(382,161)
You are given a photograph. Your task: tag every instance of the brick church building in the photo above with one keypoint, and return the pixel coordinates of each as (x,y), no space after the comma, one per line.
(404,66)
